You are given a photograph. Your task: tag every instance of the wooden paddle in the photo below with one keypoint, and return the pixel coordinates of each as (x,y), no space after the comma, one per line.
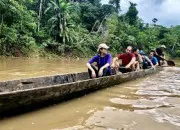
(169,62)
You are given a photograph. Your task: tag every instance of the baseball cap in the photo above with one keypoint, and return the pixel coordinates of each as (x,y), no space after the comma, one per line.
(163,46)
(103,45)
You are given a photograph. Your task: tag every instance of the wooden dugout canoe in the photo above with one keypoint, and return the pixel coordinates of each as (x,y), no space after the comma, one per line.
(24,93)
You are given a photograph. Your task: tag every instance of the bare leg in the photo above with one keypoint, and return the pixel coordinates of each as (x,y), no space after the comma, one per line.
(133,67)
(116,67)
(137,66)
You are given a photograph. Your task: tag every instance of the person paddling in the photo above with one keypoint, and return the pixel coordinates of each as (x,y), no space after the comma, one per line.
(160,55)
(103,61)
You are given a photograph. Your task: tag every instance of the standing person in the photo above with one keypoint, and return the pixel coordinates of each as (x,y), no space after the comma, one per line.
(128,59)
(153,58)
(103,61)
(138,63)
(159,54)
(146,61)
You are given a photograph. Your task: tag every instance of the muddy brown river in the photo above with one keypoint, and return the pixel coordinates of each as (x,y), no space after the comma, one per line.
(150,103)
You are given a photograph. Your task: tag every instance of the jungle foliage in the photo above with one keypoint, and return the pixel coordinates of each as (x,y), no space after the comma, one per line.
(77,27)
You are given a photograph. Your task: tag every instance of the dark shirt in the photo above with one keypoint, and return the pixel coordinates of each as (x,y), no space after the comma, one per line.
(159,51)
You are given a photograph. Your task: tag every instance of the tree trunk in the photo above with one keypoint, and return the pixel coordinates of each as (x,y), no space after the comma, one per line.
(40,14)
(2,19)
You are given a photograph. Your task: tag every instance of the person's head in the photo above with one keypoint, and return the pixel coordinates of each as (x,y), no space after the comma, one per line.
(151,54)
(163,47)
(102,48)
(129,49)
(136,51)
(141,52)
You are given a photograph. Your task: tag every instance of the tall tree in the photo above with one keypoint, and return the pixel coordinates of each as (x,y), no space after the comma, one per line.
(59,21)
(116,3)
(40,14)
(132,13)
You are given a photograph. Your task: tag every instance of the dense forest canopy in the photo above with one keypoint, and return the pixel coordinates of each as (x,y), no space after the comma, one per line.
(77,27)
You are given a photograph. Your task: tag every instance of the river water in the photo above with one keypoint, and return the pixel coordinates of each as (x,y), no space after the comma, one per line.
(150,103)
(17,68)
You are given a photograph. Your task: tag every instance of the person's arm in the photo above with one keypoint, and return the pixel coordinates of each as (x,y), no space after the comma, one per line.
(92,70)
(156,64)
(155,52)
(149,61)
(89,66)
(156,61)
(131,62)
(114,62)
(140,58)
(147,58)
(163,56)
(102,68)
(105,66)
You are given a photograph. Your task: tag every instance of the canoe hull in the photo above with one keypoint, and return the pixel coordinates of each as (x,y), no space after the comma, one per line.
(30,97)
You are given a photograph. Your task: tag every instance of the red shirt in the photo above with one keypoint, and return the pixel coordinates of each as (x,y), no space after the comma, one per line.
(126,58)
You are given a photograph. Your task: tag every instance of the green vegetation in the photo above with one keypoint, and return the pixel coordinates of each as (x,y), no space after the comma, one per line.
(76,27)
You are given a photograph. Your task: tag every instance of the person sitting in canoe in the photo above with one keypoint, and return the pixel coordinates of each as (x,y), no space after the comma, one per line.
(138,63)
(153,58)
(160,55)
(128,59)
(146,61)
(103,61)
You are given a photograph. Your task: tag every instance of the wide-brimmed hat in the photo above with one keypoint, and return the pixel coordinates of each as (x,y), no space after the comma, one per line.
(103,45)
(163,46)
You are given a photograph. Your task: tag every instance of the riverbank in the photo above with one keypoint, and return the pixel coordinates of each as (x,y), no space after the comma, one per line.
(51,55)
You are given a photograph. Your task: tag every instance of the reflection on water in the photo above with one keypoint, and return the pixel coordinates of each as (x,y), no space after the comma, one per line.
(152,103)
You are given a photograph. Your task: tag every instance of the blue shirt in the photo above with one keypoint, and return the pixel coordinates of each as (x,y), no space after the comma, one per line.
(101,61)
(154,60)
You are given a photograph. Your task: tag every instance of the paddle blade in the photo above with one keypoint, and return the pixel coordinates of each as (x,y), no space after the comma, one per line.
(170,63)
